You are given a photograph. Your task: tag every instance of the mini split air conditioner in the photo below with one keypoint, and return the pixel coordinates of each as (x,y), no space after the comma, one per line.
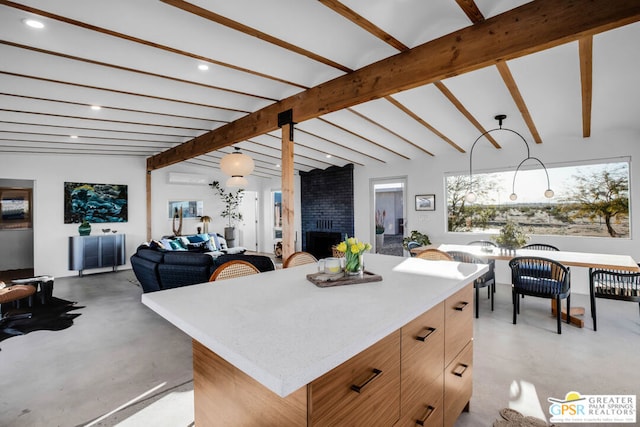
(187,178)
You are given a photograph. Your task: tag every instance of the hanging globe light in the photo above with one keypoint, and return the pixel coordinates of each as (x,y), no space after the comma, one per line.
(237,165)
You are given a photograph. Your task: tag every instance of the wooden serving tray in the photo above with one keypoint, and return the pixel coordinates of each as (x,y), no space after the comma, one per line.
(324,280)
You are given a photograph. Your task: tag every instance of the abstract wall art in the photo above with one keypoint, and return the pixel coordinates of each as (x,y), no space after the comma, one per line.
(97,203)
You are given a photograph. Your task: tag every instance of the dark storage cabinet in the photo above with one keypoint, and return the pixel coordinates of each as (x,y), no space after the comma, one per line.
(87,252)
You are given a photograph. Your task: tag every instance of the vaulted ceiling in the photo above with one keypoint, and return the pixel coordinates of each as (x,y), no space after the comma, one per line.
(140,62)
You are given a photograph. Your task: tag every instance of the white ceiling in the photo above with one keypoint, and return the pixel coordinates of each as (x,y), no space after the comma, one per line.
(138,60)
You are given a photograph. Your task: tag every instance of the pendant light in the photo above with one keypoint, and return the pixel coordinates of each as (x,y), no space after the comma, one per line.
(471,196)
(237,165)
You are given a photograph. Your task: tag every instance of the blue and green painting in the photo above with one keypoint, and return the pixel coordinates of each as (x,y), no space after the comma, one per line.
(96,203)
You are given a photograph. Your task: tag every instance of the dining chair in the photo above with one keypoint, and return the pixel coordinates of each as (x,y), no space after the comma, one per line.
(412,245)
(540,247)
(486,280)
(483,243)
(234,268)
(613,284)
(299,258)
(540,277)
(434,254)
(487,244)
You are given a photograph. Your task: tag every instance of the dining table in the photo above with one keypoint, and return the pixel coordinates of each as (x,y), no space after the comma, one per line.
(588,260)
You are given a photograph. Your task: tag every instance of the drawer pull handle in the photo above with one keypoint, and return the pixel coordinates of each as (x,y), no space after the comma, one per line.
(423,338)
(374,375)
(461,306)
(430,411)
(461,372)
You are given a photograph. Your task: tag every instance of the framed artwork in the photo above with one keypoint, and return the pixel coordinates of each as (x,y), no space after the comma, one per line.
(426,202)
(190,208)
(97,203)
(15,208)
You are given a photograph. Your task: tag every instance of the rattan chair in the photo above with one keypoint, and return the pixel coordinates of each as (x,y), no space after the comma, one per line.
(234,268)
(412,245)
(435,254)
(540,277)
(613,284)
(540,247)
(486,280)
(299,258)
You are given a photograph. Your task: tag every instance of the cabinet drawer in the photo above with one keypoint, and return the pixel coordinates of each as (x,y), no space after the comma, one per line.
(422,352)
(427,408)
(333,400)
(458,321)
(458,385)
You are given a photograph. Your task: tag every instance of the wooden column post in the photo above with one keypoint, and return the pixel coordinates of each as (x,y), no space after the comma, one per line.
(285,121)
(148,205)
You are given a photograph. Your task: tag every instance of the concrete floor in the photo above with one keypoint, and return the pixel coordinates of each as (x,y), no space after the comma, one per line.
(122,365)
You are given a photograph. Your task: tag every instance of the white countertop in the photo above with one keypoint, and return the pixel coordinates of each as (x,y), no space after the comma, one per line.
(284,331)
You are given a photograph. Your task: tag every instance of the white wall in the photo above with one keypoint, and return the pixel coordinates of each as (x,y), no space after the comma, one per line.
(426,176)
(49,172)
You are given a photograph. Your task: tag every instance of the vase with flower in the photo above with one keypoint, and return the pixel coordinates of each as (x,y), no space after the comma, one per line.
(353,250)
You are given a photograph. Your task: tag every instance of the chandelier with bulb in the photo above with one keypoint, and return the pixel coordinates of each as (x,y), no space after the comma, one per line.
(471,196)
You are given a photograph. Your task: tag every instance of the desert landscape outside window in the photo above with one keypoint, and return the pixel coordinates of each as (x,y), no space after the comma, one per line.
(591,199)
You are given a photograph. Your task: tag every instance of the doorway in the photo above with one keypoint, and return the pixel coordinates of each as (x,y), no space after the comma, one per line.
(388,214)
(248,227)
(16,229)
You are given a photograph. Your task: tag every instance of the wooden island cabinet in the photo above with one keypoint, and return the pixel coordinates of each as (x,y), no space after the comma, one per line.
(417,373)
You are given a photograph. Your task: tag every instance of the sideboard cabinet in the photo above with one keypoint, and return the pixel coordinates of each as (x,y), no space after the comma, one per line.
(87,252)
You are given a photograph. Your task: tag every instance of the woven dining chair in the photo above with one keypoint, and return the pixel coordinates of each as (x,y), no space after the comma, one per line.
(613,284)
(435,255)
(483,243)
(540,247)
(488,279)
(299,258)
(540,277)
(232,269)
(412,245)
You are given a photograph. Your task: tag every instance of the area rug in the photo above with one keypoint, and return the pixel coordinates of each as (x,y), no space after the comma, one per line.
(513,418)
(53,316)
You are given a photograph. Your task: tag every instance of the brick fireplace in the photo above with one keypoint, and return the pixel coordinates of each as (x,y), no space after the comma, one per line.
(326,208)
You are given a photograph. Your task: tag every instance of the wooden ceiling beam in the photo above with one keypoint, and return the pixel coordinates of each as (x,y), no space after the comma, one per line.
(585,47)
(508,79)
(364,23)
(533,27)
(470,8)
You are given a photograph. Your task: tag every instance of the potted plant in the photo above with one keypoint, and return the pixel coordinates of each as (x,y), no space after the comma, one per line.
(231,212)
(416,236)
(511,236)
(380,216)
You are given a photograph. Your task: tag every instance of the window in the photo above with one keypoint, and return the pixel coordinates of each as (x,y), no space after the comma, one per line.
(15,205)
(590,200)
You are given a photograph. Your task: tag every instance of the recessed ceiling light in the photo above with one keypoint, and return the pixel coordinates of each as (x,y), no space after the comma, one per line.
(203,67)
(73,136)
(33,23)
(96,107)
(328,156)
(278,165)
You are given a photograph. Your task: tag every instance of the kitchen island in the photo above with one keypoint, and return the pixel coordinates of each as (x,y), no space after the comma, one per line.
(274,349)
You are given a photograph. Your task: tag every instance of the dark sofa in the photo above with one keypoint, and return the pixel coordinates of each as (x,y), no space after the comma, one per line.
(157,270)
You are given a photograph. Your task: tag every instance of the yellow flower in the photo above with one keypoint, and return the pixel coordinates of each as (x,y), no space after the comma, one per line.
(342,247)
(367,247)
(351,241)
(354,249)
(361,246)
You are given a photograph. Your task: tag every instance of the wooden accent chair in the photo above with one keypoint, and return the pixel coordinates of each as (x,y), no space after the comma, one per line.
(435,254)
(540,277)
(613,284)
(486,280)
(234,268)
(299,258)
(12,295)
